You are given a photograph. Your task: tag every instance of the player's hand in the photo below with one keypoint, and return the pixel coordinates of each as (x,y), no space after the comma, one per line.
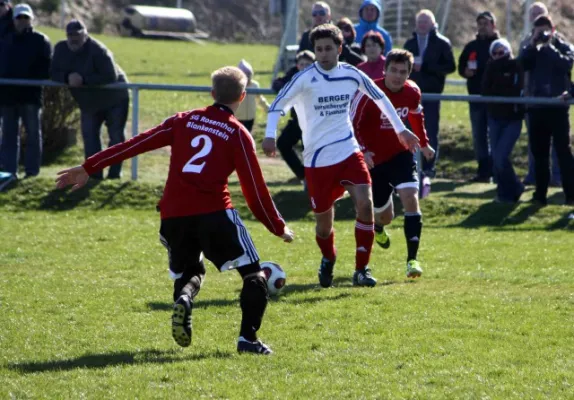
(269,147)
(288,235)
(428,152)
(368,155)
(76,176)
(409,139)
(566,96)
(75,79)
(469,73)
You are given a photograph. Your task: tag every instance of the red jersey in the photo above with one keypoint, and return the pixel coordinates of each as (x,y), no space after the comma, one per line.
(207,145)
(373,130)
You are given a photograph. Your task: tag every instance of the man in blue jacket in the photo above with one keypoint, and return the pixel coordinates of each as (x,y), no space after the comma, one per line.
(549,59)
(369,14)
(434,60)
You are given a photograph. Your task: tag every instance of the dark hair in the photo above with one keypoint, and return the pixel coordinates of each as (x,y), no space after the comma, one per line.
(346,24)
(308,54)
(326,31)
(376,37)
(543,20)
(400,56)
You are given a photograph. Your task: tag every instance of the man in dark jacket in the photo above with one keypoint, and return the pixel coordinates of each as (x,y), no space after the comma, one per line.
(24,54)
(83,61)
(434,60)
(321,13)
(549,59)
(471,66)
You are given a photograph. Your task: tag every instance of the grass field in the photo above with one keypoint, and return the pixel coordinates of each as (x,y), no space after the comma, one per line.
(85,299)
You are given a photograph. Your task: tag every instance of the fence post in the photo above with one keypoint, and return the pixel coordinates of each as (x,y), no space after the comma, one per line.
(399,19)
(135,127)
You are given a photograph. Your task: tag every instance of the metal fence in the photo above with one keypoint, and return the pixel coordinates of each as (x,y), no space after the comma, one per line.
(135,89)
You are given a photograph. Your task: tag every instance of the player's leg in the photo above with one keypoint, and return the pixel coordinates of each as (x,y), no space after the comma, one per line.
(253,301)
(227,243)
(187,270)
(382,204)
(325,237)
(412,227)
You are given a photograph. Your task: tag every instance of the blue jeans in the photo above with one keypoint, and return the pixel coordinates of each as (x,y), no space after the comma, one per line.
(115,118)
(555,177)
(503,135)
(10,147)
(479,122)
(432,120)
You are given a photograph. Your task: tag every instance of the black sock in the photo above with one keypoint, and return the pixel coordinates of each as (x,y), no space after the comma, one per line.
(253,301)
(190,282)
(379,228)
(413,228)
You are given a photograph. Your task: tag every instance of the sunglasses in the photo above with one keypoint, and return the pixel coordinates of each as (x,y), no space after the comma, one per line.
(347,28)
(22,17)
(498,53)
(319,13)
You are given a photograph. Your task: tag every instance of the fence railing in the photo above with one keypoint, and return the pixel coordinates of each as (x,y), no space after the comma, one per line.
(136,87)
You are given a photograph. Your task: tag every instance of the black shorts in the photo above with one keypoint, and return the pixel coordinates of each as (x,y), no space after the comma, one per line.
(220,236)
(397,173)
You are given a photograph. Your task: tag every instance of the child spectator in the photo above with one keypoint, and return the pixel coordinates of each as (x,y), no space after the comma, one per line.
(247,110)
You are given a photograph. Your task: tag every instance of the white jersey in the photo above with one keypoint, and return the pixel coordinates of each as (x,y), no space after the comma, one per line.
(322,100)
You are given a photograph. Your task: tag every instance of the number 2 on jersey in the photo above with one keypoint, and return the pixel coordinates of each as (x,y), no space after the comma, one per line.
(196,168)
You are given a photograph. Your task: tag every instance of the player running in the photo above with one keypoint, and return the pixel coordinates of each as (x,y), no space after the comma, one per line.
(391,163)
(197,217)
(321,95)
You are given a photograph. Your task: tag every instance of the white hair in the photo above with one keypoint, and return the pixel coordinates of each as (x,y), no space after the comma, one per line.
(428,13)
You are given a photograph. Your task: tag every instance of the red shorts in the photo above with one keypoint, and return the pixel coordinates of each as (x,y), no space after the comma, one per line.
(325,184)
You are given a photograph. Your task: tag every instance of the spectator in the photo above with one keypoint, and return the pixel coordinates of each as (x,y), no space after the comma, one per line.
(351,51)
(536,9)
(83,61)
(434,60)
(373,46)
(471,66)
(321,13)
(6,18)
(549,60)
(369,14)
(349,34)
(248,108)
(24,54)
(291,134)
(504,77)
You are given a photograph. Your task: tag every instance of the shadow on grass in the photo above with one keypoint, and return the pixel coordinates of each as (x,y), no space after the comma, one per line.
(93,361)
(62,200)
(493,215)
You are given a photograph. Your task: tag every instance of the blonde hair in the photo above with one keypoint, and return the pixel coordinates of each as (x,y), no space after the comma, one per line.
(428,13)
(228,84)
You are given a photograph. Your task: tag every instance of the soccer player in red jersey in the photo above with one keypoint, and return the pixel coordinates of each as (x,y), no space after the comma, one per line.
(392,165)
(197,217)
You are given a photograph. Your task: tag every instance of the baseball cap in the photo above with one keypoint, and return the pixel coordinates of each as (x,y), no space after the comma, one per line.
(23,9)
(487,15)
(75,26)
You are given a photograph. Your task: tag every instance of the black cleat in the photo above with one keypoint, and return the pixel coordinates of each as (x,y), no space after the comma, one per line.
(181,321)
(257,347)
(326,272)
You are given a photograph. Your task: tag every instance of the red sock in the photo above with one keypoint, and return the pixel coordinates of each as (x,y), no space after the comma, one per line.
(364,236)
(327,246)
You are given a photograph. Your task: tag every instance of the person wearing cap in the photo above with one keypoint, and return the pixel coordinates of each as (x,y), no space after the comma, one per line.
(434,60)
(24,54)
(248,109)
(471,66)
(83,62)
(504,76)
(6,18)
(549,60)
(535,10)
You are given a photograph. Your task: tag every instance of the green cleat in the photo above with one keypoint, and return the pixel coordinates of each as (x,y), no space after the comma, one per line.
(414,269)
(383,239)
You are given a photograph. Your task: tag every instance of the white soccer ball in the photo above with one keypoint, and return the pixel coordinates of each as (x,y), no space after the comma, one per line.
(276,277)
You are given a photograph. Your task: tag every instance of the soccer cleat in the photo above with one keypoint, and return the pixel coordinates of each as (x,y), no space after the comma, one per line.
(257,347)
(326,272)
(181,321)
(414,269)
(425,187)
(383,239)
(364,278)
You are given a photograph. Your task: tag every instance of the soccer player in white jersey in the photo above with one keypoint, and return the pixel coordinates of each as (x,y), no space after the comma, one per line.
(321,95)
